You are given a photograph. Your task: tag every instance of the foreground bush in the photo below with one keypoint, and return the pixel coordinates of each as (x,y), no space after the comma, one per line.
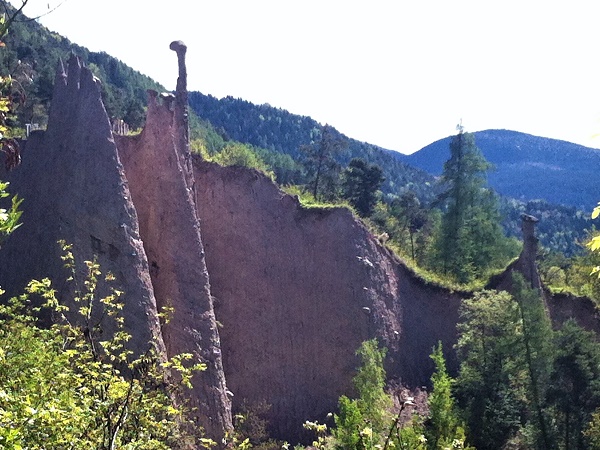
(68,386)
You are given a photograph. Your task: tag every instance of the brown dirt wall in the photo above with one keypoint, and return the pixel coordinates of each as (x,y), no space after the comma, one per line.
(297,290)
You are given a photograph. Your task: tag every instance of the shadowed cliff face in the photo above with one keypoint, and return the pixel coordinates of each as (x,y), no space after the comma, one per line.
(158,168)
(298,290)
(75,189)
(171,234)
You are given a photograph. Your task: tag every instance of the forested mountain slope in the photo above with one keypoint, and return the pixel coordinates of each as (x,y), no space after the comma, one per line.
(32,53)
(31,56)
(527,167)
(561,227)
(281,131)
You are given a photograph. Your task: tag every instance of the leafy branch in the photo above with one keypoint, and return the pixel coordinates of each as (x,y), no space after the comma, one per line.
(75,385)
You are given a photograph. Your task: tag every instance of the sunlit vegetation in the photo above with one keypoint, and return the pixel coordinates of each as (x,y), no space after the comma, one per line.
(412,229)
(76,385)
(31,57)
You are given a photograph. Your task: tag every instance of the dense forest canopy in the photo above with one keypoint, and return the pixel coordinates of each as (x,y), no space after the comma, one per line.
(280,131)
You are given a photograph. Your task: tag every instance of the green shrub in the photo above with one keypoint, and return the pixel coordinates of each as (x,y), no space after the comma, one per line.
(71,386)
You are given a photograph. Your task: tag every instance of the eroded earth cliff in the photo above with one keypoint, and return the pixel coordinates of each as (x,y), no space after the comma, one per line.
(138,219)
(274,297)
(297,290)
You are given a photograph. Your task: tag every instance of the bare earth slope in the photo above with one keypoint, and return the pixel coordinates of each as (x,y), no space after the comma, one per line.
(297,290)
(74,188)
(161,181)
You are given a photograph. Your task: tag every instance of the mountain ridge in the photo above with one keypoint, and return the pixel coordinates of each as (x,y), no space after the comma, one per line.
(527,167)
(279,130)
(562,227)
(34,51)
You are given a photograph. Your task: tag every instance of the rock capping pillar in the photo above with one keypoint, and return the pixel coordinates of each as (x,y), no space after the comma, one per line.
(526,263)
(181,119)
(128,201)
(527,259)
(157,165)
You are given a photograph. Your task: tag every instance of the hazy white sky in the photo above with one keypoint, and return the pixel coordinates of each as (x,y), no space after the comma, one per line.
(399,74)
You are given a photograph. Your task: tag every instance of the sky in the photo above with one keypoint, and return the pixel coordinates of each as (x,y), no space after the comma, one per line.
(398,74)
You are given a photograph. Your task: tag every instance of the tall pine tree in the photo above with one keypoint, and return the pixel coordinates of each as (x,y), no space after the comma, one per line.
(470,240)
(360,184)
(321,165)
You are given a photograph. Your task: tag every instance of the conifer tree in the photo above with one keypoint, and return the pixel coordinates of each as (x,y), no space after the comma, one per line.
(537,346)
(366,416)
(490,386)
(321,165)
(360,185)
(471,238)
(411,216)
(444,428)
(574,389)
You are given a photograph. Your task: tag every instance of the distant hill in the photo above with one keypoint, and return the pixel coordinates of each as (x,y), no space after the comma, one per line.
(527,167)
(562,228)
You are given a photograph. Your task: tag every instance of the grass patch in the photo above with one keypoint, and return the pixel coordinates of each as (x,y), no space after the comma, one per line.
(308,201)
(430,277)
